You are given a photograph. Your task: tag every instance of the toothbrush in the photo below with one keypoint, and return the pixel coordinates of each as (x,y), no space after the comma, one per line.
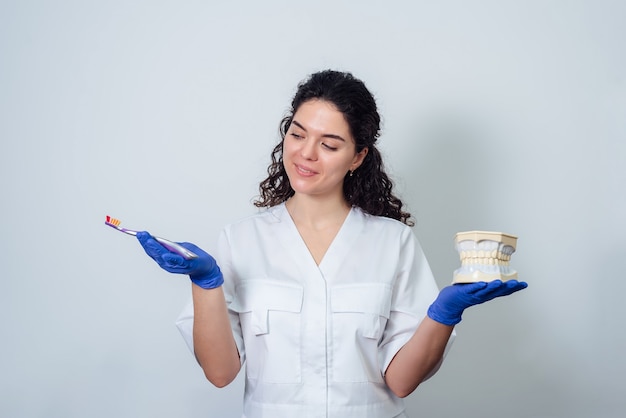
(170,245)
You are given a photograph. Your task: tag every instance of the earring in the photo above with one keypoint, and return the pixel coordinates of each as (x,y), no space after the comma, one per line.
(351,173)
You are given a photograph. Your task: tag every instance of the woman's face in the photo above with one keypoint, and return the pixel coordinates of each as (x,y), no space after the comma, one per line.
(319,150)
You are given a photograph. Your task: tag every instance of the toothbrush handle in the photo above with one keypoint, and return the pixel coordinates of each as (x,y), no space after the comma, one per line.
(177,248)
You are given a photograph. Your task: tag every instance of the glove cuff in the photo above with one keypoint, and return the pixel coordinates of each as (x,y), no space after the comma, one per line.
(446,318)
(210,280)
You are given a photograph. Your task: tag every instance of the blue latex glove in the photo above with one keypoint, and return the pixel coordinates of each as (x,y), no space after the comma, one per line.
(453,300)
(203,270)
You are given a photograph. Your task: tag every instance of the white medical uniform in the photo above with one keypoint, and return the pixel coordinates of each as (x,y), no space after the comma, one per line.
(317,339)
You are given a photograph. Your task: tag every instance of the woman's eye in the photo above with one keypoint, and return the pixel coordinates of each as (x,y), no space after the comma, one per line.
(295,135)
(328,147)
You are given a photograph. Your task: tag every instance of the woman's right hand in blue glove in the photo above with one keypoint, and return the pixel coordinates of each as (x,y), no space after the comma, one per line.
(203,270)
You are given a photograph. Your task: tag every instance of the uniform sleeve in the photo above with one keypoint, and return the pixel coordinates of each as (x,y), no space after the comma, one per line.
(413,291)
(184,323)
(230,282)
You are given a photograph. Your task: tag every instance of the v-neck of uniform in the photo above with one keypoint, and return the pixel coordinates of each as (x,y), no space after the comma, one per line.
(338,246)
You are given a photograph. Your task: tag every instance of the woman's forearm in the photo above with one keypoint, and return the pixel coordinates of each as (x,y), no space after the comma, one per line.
(415,361)
(214,344)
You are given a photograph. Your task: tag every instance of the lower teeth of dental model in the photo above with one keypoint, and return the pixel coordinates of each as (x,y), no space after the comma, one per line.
(484,256)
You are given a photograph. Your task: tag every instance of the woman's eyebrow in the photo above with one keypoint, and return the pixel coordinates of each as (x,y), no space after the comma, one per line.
(333,136)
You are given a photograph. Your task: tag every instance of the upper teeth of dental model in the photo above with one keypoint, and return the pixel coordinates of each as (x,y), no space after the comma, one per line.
(484,256)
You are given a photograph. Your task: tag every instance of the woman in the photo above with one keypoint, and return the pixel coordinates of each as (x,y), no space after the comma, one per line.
(326,295)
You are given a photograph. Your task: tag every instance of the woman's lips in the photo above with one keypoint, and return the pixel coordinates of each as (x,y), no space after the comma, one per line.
(304,171)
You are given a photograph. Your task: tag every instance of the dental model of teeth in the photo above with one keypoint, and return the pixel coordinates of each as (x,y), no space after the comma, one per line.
(484,256)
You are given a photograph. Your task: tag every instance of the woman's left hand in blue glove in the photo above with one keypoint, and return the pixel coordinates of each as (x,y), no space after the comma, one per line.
(454,299)
(203,270)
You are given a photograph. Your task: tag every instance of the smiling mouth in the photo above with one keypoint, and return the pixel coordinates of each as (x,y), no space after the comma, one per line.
(304,171)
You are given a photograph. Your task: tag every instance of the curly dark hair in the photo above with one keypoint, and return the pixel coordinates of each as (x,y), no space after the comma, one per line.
(369,187)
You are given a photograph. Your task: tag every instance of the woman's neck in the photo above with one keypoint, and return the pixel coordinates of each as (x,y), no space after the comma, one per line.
(316,213)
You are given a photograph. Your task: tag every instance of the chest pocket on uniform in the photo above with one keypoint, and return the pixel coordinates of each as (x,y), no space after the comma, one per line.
(270,318)
(359,315)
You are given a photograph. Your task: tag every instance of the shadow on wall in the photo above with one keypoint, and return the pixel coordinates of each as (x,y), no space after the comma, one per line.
(457,183)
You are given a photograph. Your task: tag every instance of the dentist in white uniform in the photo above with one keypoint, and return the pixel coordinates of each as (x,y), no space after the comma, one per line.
(325,296)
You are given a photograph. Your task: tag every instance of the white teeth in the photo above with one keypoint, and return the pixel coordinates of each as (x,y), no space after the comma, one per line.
(481,257)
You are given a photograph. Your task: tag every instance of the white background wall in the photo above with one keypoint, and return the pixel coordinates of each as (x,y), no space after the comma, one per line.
(499,115)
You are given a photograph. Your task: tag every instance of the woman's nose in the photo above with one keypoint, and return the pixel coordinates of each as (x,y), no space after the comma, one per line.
(309,150)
